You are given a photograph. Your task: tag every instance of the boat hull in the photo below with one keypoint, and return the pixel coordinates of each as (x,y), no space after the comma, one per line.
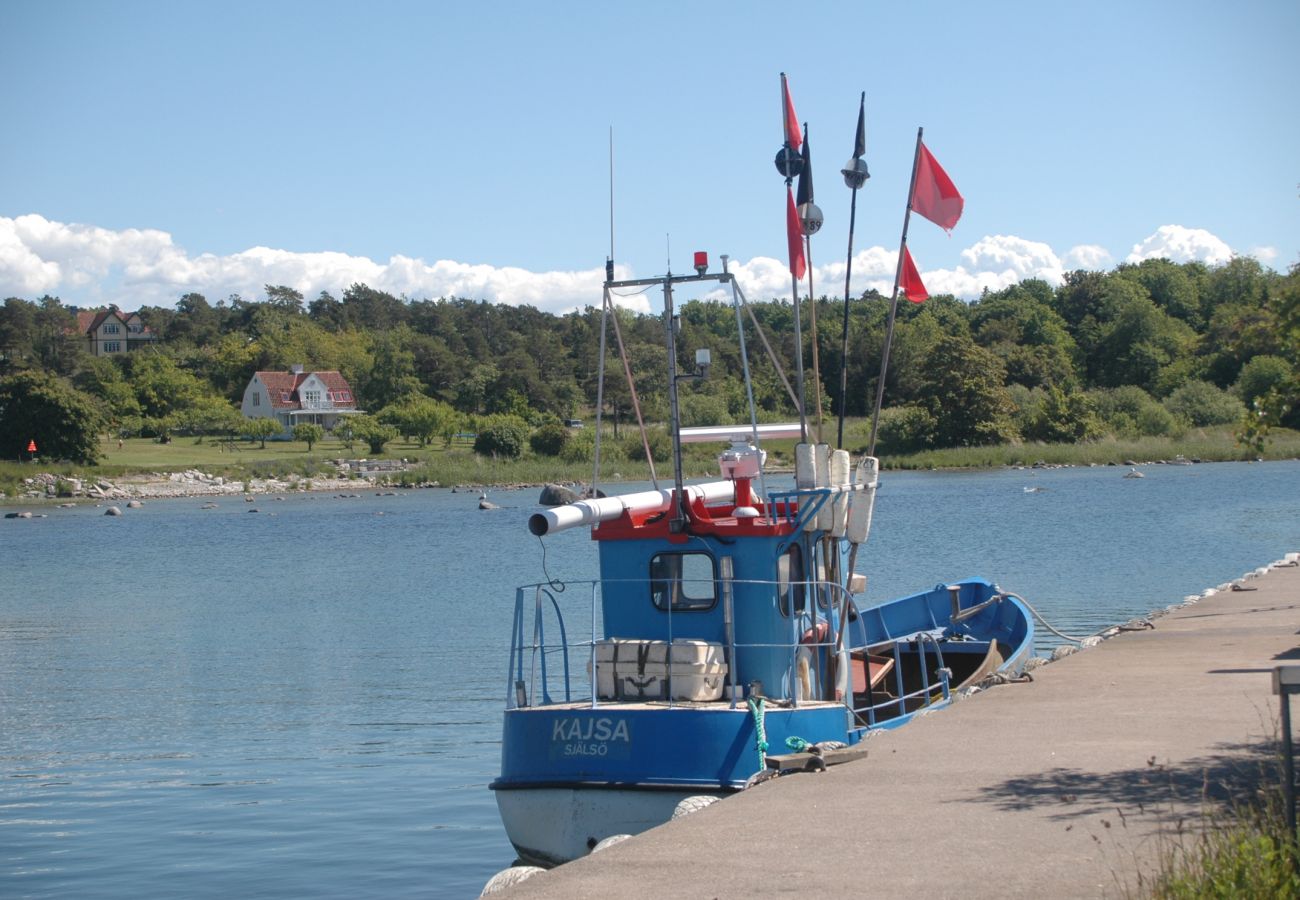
(550,826)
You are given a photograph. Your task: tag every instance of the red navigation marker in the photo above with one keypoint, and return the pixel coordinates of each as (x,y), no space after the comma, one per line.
(31,446)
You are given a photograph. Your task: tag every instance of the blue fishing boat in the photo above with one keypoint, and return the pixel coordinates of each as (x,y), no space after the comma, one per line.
(725,636)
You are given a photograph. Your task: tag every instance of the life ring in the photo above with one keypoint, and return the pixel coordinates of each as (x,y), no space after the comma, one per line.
(803,661)
(817,634)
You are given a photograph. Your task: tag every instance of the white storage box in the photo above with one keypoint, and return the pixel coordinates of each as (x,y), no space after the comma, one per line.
(641,670)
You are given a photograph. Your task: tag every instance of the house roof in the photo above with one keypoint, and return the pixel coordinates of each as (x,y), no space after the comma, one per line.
(89,320)
(282,387)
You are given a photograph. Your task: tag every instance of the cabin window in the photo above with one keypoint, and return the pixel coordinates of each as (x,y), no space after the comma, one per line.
(683,581)
(791,587)
(257,399)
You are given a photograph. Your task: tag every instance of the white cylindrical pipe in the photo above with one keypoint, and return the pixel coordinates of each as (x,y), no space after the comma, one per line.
(602,509)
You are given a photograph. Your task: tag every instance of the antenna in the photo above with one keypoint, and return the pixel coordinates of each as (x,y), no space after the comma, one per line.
(611,202)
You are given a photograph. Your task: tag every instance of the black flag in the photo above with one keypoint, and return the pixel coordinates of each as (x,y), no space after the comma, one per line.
(860,142)
(805,177)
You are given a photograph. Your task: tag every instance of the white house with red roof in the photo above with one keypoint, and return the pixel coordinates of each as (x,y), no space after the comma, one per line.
(297,396)
(110,332)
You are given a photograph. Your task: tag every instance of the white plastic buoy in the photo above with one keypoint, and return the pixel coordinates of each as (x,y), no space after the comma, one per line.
(822,461)
(861,502)
(805,467)
(689,805)
(509,878)
(840,467)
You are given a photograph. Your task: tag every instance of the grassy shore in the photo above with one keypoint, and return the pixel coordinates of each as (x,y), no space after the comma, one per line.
(459,465)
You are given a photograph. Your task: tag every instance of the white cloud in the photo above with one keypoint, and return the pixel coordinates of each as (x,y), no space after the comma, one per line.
(89,266)
(1181,245)
(1266,255)
(1087,256)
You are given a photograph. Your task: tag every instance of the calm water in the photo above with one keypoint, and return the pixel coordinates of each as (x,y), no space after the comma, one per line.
(306,701)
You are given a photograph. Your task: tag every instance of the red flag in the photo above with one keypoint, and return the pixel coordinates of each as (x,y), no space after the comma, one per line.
(794,236)
(791,123)
(913,287)
(934,195)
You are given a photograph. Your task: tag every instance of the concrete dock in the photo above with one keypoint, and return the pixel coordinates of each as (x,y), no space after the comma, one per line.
(1073,785)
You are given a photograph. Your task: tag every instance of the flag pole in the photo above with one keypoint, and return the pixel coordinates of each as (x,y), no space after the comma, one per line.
(794,279)
(812,325)
(811,219)
(893,300)
(855,176)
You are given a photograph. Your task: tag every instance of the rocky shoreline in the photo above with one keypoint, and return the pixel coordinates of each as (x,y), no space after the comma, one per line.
(195,483)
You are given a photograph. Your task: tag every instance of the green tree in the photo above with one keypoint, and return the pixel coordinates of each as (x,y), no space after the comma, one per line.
(1261,375)
(37,406)
(420,417)
(262,428)
(966,395)
(1201,403)
(1062,418)
(210,415)
(308,433)
(375,433)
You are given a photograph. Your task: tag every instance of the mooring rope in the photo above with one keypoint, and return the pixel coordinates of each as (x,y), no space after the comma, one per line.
(1044,622)
(760,732)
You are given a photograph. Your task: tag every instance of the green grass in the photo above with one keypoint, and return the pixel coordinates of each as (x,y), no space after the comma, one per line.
(1251,855)
(460,465)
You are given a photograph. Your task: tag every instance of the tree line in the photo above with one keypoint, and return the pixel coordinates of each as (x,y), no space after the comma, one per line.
(1145,349)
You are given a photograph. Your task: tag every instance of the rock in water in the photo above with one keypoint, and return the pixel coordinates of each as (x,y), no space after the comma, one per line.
(556,495)
(113,511)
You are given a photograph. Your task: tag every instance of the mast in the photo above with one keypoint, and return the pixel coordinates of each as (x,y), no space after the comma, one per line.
(893,300)
(855,176)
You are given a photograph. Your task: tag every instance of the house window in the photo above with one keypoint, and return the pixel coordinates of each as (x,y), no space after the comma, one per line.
(110,328)
(284,396)
(311,396)
(257,398)
(343,396)
(112,346)
(683,581)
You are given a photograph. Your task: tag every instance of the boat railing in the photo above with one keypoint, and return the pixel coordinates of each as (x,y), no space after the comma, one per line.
(557,626)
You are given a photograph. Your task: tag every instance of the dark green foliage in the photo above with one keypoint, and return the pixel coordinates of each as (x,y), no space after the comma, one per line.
(37,406)
(501,436)
(549,439)
(966,395)
(1156,327)
(1201,404)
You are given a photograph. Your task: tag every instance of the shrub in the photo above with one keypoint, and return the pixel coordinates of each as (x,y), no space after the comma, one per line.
(1130,412)
(581,448)
(501,436)
(1259,376)
(661,445)
(1201,403)
(906,429)
(549,440)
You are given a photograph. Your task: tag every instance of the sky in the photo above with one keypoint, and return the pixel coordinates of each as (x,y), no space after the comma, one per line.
(152,149)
